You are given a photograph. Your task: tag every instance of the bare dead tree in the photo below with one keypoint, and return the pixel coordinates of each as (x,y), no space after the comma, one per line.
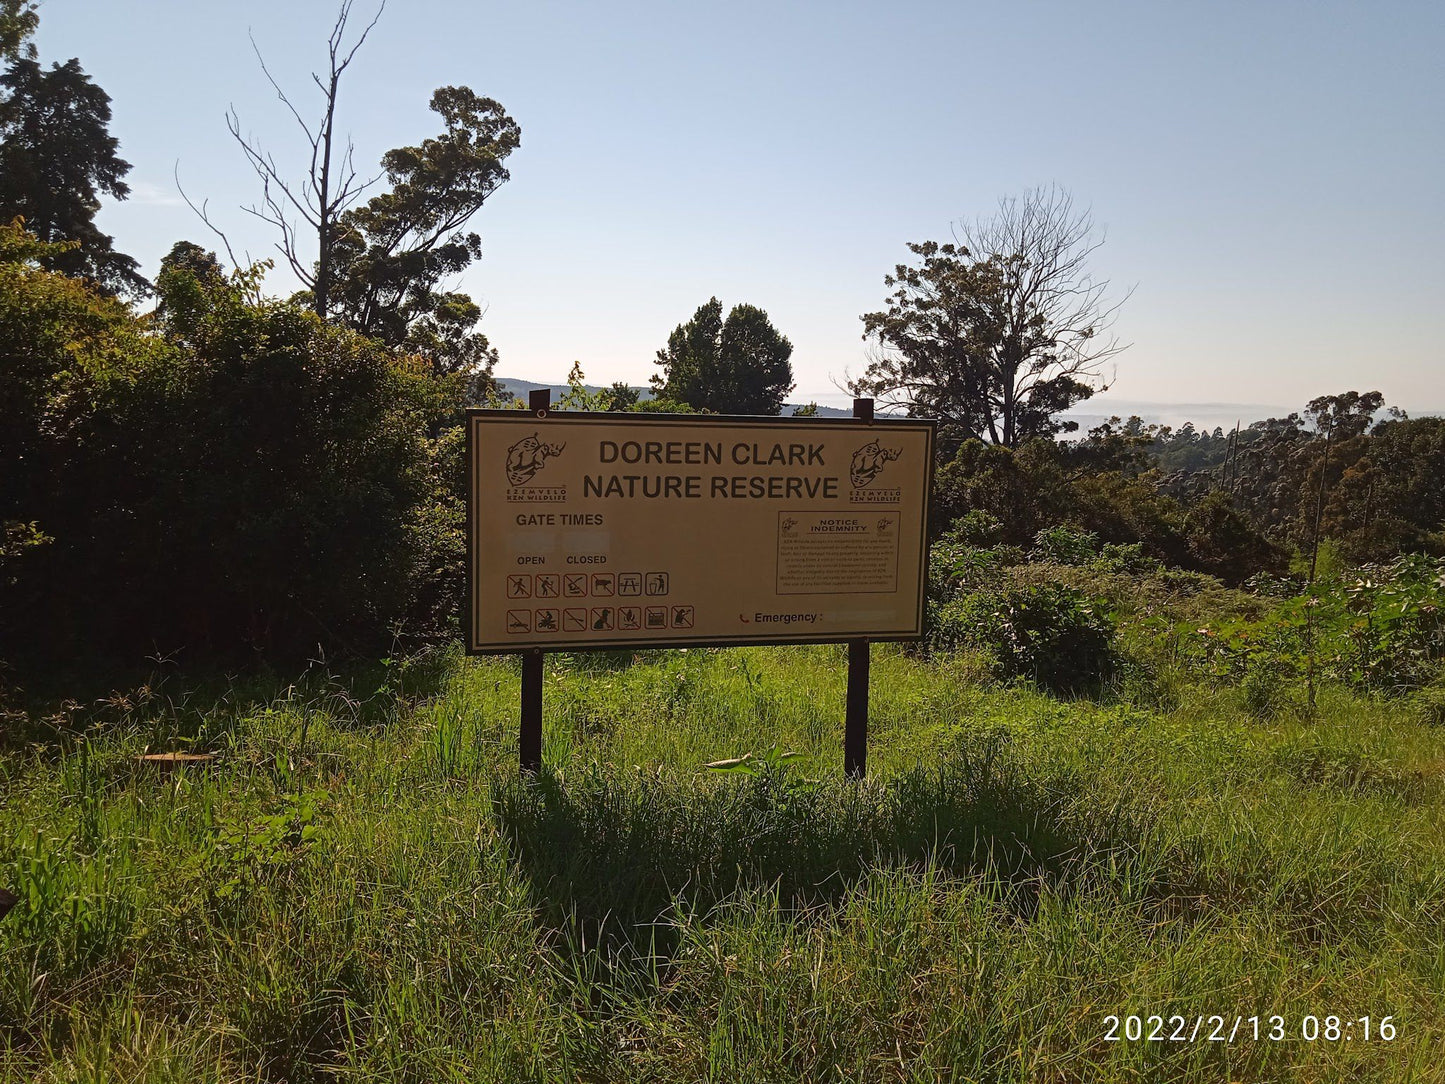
(1052,333)
(330,185)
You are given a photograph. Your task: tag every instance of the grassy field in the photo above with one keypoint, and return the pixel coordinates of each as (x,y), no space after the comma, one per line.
(360,887)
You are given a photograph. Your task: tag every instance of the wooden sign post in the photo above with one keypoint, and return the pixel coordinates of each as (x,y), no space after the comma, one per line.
(590,531)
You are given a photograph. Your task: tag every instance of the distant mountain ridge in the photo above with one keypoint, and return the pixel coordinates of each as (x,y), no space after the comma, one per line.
(521,389)
(1203,416)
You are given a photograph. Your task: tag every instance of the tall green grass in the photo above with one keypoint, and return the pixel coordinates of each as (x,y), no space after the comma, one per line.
(360,886)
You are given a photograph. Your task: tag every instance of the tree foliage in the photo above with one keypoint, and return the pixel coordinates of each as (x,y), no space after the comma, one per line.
(735,366)
(18,20)
(1384,480)
(60,339)
(249,479)
(57,157)
(392,253)
(997,333)
(1045,483)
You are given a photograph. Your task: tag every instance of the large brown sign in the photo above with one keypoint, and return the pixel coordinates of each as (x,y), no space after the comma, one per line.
(622,530)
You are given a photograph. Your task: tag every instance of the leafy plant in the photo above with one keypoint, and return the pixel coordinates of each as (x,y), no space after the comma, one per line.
(1065,545)
(1050,634)
(242,854)
(1383,630)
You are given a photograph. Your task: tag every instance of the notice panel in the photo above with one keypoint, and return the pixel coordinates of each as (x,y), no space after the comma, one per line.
(604,530)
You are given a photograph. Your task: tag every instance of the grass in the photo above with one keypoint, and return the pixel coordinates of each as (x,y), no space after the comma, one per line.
(360,887)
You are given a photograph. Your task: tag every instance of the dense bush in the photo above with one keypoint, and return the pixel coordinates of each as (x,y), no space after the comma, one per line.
(1380,629)
(1065,545)
(1047,633)
(1071,503)
(233,475)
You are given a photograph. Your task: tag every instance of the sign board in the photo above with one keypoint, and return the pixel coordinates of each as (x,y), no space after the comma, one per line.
(626,530)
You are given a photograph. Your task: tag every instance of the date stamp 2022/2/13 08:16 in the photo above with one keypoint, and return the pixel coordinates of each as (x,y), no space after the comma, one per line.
(1234,1028)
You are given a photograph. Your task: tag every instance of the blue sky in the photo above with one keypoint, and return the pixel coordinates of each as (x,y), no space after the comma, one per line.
(1271,175)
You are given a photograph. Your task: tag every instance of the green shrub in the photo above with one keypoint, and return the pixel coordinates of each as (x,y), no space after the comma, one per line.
(1065,545)
(1046,633)
(1223,541)
(1380,630)
(960,561)
(977,528)
(249,481)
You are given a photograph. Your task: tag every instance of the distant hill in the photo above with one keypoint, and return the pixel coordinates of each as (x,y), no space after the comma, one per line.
(521,389)
(1091,412)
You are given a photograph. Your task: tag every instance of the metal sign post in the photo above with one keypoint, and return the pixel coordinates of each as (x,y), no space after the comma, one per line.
(855,724)
(604,531)
(529,741)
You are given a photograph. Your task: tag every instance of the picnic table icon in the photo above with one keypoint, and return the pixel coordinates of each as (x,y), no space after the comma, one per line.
(629,583)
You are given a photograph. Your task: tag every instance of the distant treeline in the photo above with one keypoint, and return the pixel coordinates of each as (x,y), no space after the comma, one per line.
(1231,504)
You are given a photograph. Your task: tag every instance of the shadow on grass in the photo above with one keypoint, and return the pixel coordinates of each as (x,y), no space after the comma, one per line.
(609,855)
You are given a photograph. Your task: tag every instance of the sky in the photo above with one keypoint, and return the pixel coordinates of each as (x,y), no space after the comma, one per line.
(1268,177)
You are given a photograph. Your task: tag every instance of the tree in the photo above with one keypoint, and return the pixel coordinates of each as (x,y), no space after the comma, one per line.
(735,366)
(330,184)
(234,477)
(18,20)
(1348,414)
(997,333)
(56,158)
(391,253)
(622,396)
(378,265)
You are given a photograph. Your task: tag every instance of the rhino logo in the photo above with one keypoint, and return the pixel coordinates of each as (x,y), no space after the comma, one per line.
(527,457)
(868,463)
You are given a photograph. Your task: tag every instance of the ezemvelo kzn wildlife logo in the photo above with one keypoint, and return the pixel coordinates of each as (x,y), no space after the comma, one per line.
(868,463)
(527,457)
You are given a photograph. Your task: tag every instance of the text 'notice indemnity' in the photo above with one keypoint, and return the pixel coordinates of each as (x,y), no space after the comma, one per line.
(823,553)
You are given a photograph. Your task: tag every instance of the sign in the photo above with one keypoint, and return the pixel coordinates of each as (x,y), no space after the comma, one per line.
(618,530)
